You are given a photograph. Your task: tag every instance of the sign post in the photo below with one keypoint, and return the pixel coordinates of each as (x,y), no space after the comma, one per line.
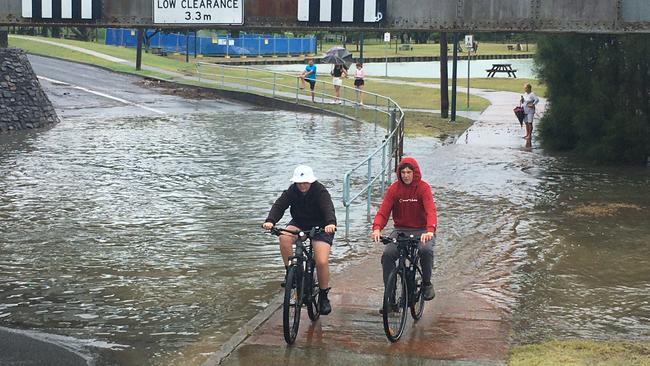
(469,46)
(387,41)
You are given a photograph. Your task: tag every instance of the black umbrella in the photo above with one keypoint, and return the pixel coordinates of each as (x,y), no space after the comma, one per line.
(338,56)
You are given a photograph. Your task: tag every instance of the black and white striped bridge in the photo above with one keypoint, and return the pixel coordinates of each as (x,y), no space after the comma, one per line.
(583,16)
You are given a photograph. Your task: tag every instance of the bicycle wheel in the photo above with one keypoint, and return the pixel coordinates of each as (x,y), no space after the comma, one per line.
(291,306)
(417,298)
(312,289)
(395,305)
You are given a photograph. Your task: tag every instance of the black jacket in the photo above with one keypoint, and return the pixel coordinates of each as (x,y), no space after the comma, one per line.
(315,208)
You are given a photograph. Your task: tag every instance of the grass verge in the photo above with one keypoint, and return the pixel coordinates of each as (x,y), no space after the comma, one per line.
(581,352)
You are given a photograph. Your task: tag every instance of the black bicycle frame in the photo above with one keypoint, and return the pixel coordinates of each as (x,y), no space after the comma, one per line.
(302,256)
(408,251)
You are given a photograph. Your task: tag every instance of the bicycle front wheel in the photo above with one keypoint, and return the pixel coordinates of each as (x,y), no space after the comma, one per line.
(312,291)
(417,300)
(292,305)
(395,305)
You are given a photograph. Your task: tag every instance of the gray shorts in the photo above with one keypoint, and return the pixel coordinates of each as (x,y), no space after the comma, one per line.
(529,118)
(322,236)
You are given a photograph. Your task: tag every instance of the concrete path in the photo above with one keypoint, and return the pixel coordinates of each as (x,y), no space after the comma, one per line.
(73,48)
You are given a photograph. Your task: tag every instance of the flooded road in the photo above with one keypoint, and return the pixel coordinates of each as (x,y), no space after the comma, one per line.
(136,236)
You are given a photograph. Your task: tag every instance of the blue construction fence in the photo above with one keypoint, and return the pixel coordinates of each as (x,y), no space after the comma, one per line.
(222,45)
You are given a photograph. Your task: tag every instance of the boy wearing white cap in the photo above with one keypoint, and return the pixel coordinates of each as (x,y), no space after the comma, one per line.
(311,205)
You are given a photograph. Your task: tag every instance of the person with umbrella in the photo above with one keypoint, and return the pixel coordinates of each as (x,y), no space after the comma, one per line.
(341,59)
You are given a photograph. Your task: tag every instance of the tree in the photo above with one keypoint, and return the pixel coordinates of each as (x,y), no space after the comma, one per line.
(598,88)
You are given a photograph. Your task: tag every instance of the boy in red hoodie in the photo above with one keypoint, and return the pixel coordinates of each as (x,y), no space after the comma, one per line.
(414,213)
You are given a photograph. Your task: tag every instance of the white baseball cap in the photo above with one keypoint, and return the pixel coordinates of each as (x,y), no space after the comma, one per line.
(303,174)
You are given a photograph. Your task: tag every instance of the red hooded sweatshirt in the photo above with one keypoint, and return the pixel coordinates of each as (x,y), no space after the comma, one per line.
(412,205)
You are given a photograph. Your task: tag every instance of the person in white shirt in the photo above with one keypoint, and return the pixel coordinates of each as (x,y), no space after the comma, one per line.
(528,101)
(358,82)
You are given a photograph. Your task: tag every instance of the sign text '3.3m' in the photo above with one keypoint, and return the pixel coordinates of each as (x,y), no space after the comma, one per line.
(198,11)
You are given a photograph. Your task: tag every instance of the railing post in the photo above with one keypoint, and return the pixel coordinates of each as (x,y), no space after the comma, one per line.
(274,81)
(383,168)
(402,126)
(346,198)
(391,129)
(376,108)
(369,188)
(297,89)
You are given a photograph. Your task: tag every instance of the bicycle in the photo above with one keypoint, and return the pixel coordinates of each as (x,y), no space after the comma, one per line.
(301,285)
(404,287)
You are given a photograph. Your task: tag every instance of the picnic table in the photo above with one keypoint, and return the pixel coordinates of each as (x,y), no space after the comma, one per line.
(507,68)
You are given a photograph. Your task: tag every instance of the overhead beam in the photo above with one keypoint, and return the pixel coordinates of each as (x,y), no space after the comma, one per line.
(584,16)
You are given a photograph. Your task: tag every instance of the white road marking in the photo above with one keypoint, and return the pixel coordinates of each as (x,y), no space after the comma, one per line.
(101,94)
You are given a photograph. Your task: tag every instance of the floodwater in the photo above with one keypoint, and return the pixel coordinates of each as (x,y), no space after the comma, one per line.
(561,245)
(138,238)
(430,69)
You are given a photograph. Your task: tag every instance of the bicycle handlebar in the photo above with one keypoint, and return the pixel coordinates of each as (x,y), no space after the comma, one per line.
(301,233)
(399,240)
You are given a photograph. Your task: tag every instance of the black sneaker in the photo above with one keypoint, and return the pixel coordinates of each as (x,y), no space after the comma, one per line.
(325,306)
(428,293)
(394,308)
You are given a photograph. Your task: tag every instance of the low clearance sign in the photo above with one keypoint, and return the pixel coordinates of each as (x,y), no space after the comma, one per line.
(198,11)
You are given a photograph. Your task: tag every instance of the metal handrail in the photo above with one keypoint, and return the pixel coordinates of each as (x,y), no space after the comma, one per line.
(390,150)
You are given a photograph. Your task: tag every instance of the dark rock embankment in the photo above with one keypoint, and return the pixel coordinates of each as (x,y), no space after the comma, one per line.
(23,103)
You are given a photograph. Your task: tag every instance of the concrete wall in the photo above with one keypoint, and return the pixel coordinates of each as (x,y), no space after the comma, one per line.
(23,104)
(588,16)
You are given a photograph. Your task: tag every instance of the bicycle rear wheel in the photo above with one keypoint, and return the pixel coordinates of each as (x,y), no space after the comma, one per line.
(417,300)
(313,293)
(292,304)
(395,305)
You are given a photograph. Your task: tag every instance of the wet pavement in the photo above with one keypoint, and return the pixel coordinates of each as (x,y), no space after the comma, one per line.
(460,326)
(456,326)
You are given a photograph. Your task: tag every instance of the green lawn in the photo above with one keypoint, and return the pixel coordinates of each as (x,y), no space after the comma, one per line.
(581,352)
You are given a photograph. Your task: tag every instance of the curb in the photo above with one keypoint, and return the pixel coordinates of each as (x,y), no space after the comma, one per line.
(246,331)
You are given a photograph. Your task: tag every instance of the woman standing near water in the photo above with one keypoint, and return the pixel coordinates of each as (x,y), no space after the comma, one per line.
(529,100)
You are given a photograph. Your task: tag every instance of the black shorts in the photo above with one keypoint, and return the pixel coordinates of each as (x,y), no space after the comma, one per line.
(312,83)
(322,236)
(358,82)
